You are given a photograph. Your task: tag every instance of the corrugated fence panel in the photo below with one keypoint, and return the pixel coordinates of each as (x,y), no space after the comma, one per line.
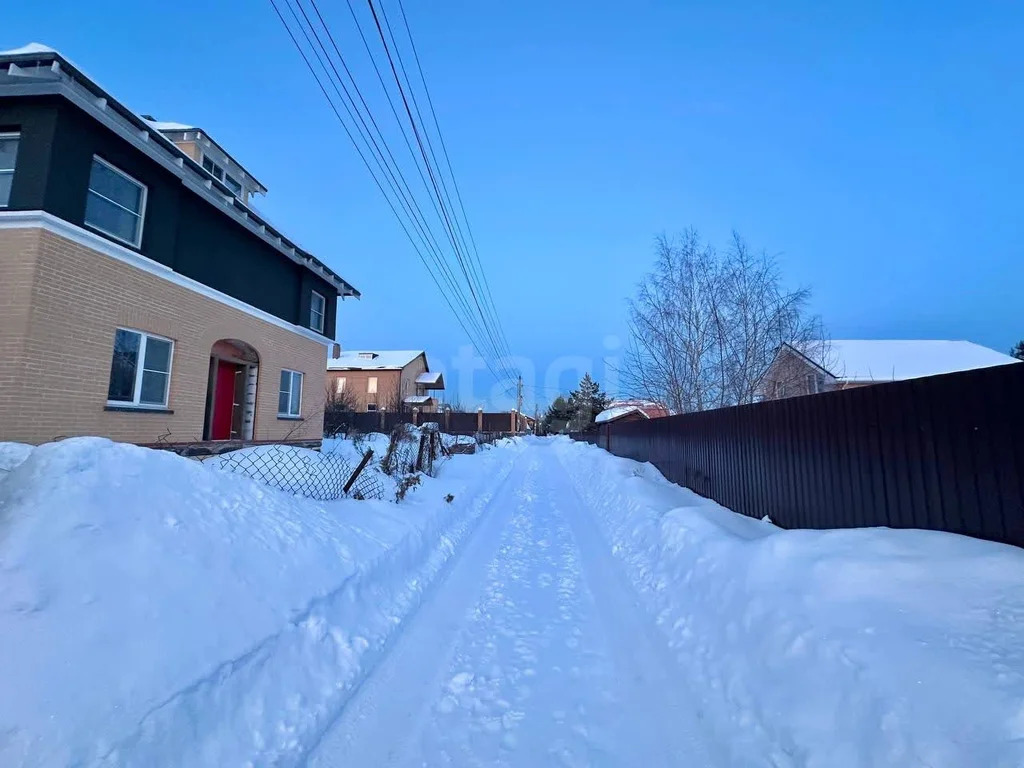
(943,452)
(462,423)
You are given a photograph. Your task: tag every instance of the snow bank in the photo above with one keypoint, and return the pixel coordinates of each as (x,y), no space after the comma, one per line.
(869,647)
(155,611)
(12,454)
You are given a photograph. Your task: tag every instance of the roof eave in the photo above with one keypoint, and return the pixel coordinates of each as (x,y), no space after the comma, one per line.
(57,87)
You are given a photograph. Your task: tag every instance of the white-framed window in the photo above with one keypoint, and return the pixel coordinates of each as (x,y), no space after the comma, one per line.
(371,385)
(116,203)
(8,159)
(289,399)
(371,407)
(140,370)
(339,385)
(317,308)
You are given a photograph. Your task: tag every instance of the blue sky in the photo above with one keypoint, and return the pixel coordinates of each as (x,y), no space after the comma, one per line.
(877,148)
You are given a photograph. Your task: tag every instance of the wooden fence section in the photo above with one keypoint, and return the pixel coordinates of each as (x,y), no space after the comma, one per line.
(944,453)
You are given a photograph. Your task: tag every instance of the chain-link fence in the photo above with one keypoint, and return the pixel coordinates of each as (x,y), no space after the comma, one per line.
(320,476)
(330,476)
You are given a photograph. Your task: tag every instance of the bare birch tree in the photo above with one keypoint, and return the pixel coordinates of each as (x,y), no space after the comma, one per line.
(705,325)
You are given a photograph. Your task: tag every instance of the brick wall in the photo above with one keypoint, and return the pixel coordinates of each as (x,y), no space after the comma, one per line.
(356,385)
(60,304)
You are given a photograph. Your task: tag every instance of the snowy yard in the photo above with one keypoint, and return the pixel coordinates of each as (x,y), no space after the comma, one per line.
(563,606)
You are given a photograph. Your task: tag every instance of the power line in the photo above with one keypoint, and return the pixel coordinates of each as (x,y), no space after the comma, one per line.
(423,152)
(450,220)
(451,172)
(398,185)
(368,166)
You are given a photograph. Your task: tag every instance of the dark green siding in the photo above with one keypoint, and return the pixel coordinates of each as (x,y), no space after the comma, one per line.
(181,229)
(36,120)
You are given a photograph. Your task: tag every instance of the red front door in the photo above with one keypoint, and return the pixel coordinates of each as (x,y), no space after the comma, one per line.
(223,400)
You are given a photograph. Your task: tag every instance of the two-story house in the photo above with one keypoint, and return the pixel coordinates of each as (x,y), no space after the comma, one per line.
(141,298)
(385,380)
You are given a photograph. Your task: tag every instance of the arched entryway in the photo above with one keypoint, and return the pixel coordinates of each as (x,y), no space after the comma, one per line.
(231,394)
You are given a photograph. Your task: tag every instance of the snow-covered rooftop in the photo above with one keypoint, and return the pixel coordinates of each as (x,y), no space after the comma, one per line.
(610,414)
(619,408)
(165,125)
(895,360)
(385,359)
(431,379)
(30,48)
(417,399)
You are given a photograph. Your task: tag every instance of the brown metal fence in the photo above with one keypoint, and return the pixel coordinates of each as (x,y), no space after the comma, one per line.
(455,423)
(944,453)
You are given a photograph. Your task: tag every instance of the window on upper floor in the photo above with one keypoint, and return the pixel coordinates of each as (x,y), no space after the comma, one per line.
(289,398)
(8,159)
(815,383)
(317,308)
(371,385)
(339,385)
(116,203)
(213,168)
(233,184)
(140,370)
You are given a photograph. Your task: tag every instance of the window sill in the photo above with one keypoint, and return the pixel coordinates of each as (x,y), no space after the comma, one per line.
(281,417)
(113,238)
(136,409)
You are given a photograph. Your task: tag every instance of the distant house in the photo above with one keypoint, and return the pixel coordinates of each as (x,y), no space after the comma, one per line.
(631,410)
(385,380)
(845,363)
(141,298)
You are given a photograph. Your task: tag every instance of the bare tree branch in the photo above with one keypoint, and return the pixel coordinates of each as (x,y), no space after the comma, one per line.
(705,326)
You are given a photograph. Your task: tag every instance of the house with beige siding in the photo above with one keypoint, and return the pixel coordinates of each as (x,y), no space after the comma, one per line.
(141,297)
(385,380)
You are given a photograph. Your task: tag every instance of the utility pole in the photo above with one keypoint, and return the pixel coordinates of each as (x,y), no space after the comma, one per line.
(519,403)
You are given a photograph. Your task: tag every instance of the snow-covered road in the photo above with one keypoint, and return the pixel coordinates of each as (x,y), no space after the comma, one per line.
(541,602)
(530,650)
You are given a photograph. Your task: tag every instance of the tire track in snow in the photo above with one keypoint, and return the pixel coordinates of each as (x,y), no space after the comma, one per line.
(533,651)
(373,726)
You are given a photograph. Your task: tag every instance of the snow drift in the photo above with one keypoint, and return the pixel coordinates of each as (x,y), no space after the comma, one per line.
(154,611)
(869,647)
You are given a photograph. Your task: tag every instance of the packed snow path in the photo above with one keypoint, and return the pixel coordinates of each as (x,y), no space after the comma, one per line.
(530,650)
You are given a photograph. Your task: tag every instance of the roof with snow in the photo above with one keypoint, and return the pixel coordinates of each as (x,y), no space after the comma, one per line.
(859,360)
(621,408)
(417,399)
(164,125)
(366,360)
(39,70)
(170,127)
(431,380)
(611,414)
(30,48)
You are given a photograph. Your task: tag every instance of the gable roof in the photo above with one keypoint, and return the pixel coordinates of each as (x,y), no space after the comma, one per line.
(863,360)
(368,360)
